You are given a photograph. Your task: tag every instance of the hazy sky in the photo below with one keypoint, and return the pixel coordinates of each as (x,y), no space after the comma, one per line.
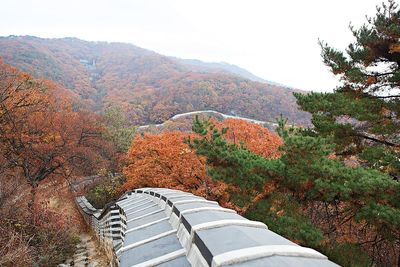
(276,40)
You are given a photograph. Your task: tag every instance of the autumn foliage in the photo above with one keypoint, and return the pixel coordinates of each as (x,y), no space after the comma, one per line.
(164,160)
(254,137)
(44,237)
(150,87)
(43,136)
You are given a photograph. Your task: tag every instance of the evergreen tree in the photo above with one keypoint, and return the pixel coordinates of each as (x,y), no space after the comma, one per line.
(308,194)
(360,121)
(311,194)
(231,163)
(256,183)
(363,113)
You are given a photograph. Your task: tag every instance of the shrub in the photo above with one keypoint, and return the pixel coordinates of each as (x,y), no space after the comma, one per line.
(41,237)
(105,192)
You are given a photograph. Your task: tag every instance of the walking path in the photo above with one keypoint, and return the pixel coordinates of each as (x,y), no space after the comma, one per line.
(87,254)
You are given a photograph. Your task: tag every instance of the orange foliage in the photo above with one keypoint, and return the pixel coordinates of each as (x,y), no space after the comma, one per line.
(41,135)
(164,160)
(255,137)
(150,87)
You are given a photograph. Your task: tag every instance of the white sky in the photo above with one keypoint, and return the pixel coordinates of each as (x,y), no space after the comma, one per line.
(276,40)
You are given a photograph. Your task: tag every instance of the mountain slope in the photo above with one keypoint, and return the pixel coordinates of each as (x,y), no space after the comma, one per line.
(218,67)
(150,87)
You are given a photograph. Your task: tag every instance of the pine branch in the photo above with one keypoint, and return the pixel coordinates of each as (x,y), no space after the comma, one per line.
(384,142)
(388,96)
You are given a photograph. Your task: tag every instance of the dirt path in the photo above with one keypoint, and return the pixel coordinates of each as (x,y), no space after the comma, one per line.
(87,255)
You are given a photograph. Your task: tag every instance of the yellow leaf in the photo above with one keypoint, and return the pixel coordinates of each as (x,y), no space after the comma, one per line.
(394,48)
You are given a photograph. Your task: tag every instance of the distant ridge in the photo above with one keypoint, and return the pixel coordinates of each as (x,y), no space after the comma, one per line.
(227,67)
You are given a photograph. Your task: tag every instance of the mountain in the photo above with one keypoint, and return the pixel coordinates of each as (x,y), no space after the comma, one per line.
(215,67)
(150,87)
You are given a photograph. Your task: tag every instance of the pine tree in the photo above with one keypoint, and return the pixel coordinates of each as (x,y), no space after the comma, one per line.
(363,113)
(232,163)
(256,183)
(311,194)
(360,121)
(307,194)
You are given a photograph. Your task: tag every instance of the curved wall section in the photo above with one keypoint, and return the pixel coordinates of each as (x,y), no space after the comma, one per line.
(165,227)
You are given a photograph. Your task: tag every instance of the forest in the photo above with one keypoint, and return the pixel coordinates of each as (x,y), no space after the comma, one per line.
(327,177)
(150,87)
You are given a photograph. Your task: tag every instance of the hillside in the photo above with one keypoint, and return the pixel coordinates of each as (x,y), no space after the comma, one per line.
(218,67)
(150,87)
